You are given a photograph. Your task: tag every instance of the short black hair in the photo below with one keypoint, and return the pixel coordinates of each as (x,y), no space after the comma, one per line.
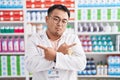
(60,7)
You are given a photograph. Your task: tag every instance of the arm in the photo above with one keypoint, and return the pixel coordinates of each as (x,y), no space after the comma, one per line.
(34,57)
(76,61)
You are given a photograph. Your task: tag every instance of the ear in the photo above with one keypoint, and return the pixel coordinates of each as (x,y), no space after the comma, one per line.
(46,18)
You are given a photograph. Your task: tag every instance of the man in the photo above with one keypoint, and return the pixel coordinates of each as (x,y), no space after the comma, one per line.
(55,54)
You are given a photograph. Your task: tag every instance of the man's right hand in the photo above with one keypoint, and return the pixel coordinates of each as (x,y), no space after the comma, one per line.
(64,48)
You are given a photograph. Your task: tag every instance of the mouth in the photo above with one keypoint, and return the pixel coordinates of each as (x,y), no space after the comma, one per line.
(58,29)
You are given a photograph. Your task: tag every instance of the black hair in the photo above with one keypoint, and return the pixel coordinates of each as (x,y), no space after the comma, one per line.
(60,7)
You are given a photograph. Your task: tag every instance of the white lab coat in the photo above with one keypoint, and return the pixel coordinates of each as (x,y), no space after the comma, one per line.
(66,65)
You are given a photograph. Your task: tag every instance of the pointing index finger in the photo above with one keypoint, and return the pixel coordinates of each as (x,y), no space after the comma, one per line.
(71,45)
(42,47)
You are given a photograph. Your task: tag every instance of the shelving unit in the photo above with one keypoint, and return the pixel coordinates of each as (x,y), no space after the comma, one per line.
(12,53)
(11,48)
(99,76)
(86,13)
(96,12)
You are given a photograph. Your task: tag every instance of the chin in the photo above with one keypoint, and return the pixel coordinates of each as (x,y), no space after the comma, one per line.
(58,34)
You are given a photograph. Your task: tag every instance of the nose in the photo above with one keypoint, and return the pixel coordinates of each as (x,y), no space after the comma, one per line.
(60,22)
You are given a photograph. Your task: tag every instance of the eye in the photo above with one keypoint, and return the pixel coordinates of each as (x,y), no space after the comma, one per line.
(56,19)
(64,21)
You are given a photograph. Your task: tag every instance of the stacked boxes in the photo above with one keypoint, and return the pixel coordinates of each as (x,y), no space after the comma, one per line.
(98,14)
(48,3)
(11,15)
(114,65)
(12,66)
(100,43)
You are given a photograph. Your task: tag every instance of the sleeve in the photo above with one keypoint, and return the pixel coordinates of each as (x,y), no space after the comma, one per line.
(34,58)
(76,61)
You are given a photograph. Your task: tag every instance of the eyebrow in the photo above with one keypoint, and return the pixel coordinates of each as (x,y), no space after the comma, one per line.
(60,18)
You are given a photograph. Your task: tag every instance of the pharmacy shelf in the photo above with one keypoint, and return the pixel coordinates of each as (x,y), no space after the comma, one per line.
(13,34)
(4,9)
(97,21)
(4,22)
(100,53)
(12,53)
(36,22)
(98,76)
(110,7)
(38,9)
(12,76)
(42,9)
(98,33)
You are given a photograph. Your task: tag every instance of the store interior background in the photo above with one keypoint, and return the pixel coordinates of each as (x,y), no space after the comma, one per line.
(96,22)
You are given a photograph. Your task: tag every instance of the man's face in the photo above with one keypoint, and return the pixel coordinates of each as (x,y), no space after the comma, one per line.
(57,22)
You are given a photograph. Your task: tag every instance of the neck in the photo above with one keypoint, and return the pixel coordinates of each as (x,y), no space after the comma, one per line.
(52,37)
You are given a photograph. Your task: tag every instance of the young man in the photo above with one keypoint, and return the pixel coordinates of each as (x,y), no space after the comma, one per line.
(55,54)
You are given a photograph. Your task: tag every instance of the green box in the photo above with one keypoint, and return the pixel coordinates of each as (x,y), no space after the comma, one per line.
(89,14)
(18,64)
(99,11)
(89,17)
(99,14)
(9,65)
(108,11)
(118,17)
(79,17)
(79,14)
(98,17)
(109,17)
(118,11)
